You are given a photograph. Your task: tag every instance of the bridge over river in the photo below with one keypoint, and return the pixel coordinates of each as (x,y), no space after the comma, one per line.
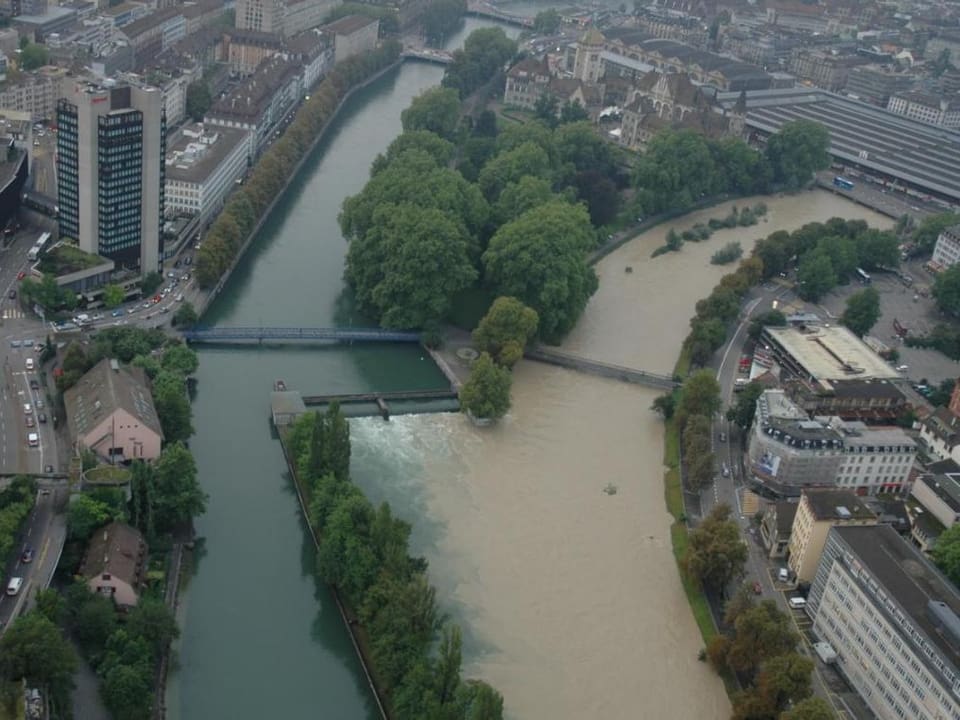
(260,335)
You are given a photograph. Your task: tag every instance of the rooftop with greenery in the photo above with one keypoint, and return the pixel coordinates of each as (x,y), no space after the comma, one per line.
(63,259)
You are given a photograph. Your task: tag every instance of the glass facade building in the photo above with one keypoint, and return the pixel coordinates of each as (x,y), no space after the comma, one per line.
(110,149)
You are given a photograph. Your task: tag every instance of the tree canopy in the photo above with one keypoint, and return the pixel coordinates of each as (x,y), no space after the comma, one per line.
(482,58)
(946,290)
(946,554)
(505,330)
(798,151)
(540,259)
(486,394)
(716,554)
(862,312)
(436,109)
(199,100)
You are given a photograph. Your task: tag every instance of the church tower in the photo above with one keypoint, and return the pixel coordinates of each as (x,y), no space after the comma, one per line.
(587,65)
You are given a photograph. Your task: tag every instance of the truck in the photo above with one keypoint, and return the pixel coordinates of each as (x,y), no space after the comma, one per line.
(825,652)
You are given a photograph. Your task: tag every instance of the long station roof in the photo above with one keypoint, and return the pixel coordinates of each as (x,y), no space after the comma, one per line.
(926,156)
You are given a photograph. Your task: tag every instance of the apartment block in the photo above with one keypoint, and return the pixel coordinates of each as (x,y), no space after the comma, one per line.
(893,620)
(788,451)
(818,511)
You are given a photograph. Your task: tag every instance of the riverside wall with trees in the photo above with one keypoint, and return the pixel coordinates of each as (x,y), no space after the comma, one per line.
(249,206)
(384,593)
(711,557)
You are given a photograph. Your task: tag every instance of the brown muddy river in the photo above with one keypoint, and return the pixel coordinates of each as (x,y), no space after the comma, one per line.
(547,534)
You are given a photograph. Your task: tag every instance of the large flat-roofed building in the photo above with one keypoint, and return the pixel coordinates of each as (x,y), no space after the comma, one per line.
(260,102)
(203,167)
(111,143)
(825,353)
(353,35)
(892,620)
(864,139)
(875,84)
(938,491)
(872,401)
(818,511)
(947,250)
(788,451)
(926,108)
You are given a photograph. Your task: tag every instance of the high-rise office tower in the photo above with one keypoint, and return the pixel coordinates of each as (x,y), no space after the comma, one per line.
(111,144)
(260,15)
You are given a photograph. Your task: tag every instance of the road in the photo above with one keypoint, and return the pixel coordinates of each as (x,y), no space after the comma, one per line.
(729,489)
(44,532)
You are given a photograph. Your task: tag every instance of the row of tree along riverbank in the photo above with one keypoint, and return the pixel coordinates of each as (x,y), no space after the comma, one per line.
(249,206)
(383,593)
(757,648)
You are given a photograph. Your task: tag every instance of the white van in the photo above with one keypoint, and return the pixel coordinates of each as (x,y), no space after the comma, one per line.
(783,575)
(797,603)
(29,363)
(13,587)
(33,440)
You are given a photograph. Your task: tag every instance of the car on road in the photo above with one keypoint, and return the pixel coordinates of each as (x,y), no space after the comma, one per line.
(723,437)
(757,588)
(33,440)
(146,305)
(97,316)
(12,294)
(171,274)
(13,587)
(30,421)
(725,470)
(14,343)
(188,260)
(42,417)
(21,275)
(29,364)
(47,469)
(132,310)
(39,403)
(34,384)
(27,554)
(27,409)
(117,313)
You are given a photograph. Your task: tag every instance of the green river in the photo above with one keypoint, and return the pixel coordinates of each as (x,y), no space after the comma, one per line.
(260,637)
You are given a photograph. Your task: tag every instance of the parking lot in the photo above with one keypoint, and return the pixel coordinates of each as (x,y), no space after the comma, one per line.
(912,306)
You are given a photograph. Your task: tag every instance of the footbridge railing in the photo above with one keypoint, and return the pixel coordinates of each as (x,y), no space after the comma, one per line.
(217,335)
(594,367)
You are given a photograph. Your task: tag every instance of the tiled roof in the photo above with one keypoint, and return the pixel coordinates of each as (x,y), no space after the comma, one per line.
(106,388)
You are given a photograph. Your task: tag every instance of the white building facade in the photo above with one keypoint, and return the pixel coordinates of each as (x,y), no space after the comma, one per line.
(947,250)
(892,620)
(201,174)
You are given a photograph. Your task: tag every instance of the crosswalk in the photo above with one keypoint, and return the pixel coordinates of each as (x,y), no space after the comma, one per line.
(12,313)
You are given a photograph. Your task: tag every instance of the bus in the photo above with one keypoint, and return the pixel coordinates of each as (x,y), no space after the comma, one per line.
(843,183)
(38,247)
(864,277)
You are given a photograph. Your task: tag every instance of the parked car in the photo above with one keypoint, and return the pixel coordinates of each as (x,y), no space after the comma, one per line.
(42,417)
(117,313)
(30,421)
